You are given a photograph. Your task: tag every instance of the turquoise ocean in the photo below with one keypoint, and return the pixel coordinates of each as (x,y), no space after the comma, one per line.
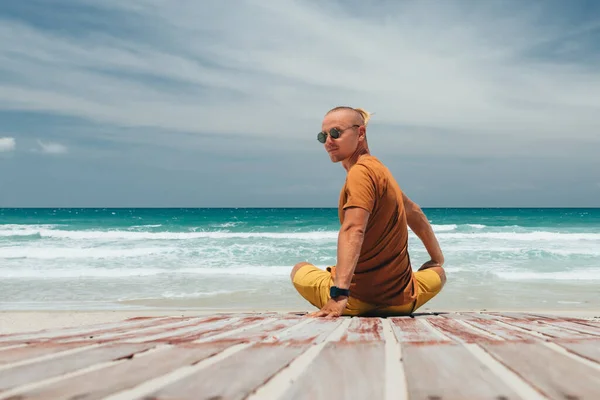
(535,259)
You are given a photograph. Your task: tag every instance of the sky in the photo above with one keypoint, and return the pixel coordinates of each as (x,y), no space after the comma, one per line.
(156,103)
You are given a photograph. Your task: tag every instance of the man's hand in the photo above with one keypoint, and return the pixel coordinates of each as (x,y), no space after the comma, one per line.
(429,264)
(333,309)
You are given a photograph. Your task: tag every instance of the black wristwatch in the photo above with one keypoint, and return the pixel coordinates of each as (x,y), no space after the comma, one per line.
(335,292)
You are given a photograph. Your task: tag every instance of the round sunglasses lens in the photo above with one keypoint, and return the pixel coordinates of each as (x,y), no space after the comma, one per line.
(334,133)
(321,137)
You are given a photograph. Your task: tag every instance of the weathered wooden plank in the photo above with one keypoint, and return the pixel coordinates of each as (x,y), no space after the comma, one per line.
(343,370)
(540,327)
(312,331)
(450,371)
(32,351)
(545,317)
(87,330)
(554,374)
(121,333)
(28,373)
(212,330)
(190,330)
(493,327)
(415,330)
(460,332)
(223,379)
(589,349)
(574,326)
(364,329)
(515,315)
(100,383)
(262,332)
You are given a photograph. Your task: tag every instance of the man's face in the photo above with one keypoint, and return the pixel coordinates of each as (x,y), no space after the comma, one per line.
(345,122)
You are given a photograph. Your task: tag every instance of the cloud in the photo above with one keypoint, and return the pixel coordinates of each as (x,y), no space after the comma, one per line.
(470,97)
(444,80)
(7,144)
(51,148)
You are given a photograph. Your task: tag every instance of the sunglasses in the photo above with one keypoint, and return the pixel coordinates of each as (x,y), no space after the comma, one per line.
(333,132)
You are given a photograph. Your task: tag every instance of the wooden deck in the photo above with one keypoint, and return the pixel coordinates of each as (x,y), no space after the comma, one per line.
(287,356)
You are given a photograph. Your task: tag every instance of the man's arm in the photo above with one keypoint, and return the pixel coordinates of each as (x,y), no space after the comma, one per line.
(418,223)
(350,240)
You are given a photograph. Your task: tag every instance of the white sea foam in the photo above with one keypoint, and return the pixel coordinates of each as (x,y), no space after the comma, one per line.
(127,235)
(575,275)
(51,253)
(524,236)
(256,271)
(197,294)
(445,232)
(444,228)
(477,226)
(533,248)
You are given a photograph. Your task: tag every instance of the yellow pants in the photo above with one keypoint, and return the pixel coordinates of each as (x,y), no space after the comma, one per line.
(313,284)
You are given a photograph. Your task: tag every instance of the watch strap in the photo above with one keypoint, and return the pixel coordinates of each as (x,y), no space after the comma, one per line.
(335,291)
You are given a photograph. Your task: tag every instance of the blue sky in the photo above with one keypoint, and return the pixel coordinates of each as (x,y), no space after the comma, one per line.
(217,104)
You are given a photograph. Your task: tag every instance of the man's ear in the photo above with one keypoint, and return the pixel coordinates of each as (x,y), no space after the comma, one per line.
(362,132)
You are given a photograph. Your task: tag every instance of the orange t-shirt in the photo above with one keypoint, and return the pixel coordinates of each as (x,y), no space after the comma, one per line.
(383,274)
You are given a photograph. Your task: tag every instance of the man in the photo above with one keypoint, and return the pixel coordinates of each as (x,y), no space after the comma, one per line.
(373,274)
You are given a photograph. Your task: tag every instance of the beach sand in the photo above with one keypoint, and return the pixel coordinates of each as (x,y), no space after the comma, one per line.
(27,321)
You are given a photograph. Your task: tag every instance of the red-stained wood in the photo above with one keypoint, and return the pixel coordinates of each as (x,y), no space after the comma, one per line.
(574,324)
(364,330)
(63,364)
(218,328)
(429,343)
(154,330)
(343,370)
(311,330)
(450,371)
(415,330)
(547,317)
(555,375)
(495,328)
(85,331)
(540,327)
(589,349)
(33,351)
(266,331)
(190,330)
(234,377)
(123,376)
(461,332)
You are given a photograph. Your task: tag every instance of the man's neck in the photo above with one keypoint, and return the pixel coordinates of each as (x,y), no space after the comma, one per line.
(353,159)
